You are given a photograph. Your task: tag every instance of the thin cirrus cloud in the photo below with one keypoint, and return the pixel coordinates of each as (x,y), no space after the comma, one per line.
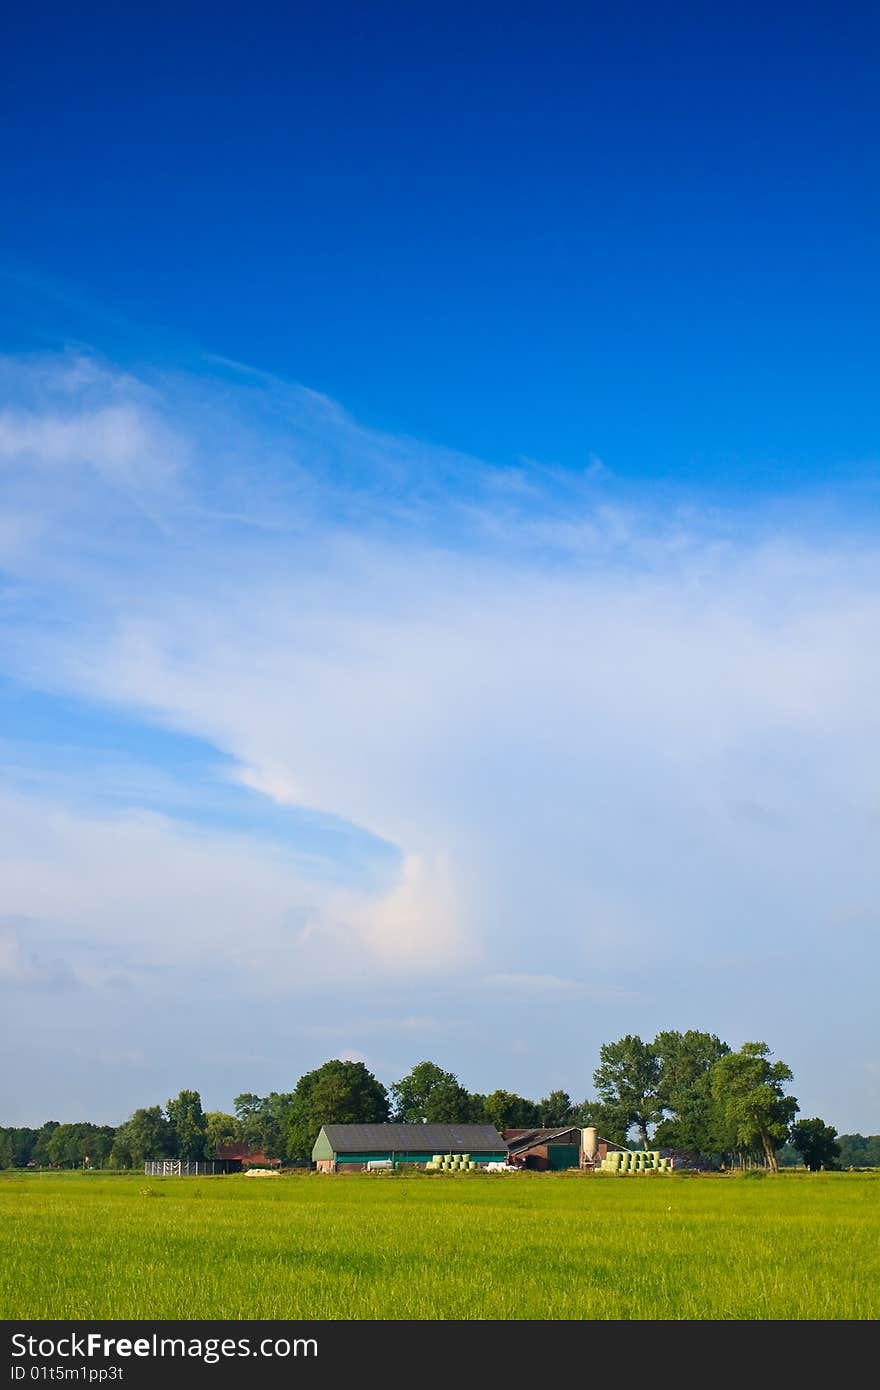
(582,741)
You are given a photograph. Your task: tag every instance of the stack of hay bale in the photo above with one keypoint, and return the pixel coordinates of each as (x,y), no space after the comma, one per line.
(450,1163)
(639,1161)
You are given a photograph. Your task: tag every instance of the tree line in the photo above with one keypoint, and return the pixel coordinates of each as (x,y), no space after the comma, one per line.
(689,1092)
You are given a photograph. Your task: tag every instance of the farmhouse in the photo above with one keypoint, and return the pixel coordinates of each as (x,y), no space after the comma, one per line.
(352,1147)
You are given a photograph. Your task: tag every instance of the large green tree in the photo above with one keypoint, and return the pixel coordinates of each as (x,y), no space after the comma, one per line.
(17,1146)
(145,1134)
(555,1110)
(248,1108)
(187,1121)
(693,1117)
(449,1104)
(816,1143)
(626,1080)
(507,1110)
(754,1105)
(336,1093)
(411,1095)
(264,1121)
(75,1145)
(40,1152)
(221,1130)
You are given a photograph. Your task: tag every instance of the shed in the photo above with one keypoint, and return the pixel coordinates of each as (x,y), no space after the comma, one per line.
(352,1147)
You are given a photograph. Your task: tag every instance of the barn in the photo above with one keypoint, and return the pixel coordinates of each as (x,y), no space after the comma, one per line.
(246,1156)
(556,1149)
(340,1148)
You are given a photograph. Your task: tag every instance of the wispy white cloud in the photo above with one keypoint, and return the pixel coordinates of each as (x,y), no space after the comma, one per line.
(604,736)
(24,968)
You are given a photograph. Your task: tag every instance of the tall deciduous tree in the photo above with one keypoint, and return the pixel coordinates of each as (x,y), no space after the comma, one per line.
(816,1143)
(506,1110)
(410,1097)
(626,1080)
(71,1146)
(247,1108)
(750,1090)
(449,1104)
(40,1153)
(17,1146)
(220,1131)
(336,1093)
(264,1121)
(555,1110)
(187,1121)
(145,1134)
(693,1118)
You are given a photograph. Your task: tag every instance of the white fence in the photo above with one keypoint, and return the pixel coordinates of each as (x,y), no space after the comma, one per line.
(187,1168)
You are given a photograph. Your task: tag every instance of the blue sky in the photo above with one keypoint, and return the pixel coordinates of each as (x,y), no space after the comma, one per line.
(439,587)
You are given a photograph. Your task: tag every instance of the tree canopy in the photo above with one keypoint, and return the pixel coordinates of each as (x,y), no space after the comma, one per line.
(145,1134)
(555,1110)
(188,1125)
(749,1090)
(411,1096)
(693,1118)
(626,1081)
(221,1130)
(506,1110)
(816,1143)
(336,1093)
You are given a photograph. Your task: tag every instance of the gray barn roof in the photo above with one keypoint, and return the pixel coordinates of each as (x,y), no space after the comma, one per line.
(414,1139)
(540,1136)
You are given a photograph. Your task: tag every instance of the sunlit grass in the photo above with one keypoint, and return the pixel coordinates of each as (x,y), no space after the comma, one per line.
(470,1246)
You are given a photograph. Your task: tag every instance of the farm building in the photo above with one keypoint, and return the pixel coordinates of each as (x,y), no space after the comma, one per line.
(188,1167)
(352,1147)
(246,1156)
(557,1149)
(233,1158)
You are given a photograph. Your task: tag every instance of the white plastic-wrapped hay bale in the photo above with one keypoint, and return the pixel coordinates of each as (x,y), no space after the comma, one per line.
(261,1173)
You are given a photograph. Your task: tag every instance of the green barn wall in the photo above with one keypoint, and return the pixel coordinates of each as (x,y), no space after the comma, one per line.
(562,1156)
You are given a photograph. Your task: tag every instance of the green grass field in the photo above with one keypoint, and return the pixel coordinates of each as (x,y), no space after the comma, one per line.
(477,1246)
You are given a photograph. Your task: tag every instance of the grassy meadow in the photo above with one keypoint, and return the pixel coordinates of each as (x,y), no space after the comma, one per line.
(480,1246)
